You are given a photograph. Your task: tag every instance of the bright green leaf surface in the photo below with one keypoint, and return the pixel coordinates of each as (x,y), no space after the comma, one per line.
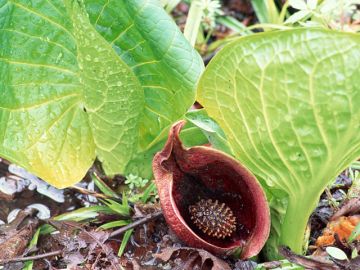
(355,233)
(288,103)
(113,224)
(210,128)
(85,213)
(168,68)
(28,265)
(54,66)
(113,96)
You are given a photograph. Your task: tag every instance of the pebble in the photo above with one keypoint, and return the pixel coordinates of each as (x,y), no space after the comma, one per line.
(32,182)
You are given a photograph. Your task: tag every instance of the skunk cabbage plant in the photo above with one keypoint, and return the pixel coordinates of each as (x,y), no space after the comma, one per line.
(86,79)
(209,199)
(288,103)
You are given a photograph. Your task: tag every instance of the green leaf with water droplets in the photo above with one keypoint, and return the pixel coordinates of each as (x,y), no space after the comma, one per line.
(150,42)
(65,95)
(288,103)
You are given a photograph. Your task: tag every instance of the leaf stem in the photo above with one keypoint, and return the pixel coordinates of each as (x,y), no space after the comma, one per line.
(32,258)
(295,221)
(139,222)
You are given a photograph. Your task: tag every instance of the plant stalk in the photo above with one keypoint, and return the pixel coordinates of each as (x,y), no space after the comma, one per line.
(296,220)
(193,21)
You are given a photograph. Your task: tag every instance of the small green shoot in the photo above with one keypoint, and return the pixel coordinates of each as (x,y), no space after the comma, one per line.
(355,165)
(136,186)
(202,14)
(122,209)
(285,265)
(305,10)
(235,25)
(113,224)
(103,187)
(355,233)
(266,11)
(148,192)
(134,181)
(85,213)
(354,175)
(124,242)
(29,264)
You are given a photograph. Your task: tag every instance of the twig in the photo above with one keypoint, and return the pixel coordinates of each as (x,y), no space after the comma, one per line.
(120,231)
(98,195)
(306,262)
(32,258)
(91,193)
(139,222)
(117,198)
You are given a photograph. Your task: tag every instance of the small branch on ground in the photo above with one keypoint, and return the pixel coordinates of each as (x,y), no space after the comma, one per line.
(32,258)
(120,231)
(307,262)
(91,193)
(136,223)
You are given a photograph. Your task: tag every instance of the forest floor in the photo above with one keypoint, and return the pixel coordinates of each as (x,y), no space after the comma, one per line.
(31,238)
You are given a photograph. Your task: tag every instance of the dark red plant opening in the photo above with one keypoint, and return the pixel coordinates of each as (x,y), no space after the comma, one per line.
(186,176)
(217,182)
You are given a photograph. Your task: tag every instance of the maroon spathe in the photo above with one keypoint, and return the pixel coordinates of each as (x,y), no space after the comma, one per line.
(185,176)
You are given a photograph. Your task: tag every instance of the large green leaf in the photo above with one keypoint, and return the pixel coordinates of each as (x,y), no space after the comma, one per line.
(288,103)
(65,95)
(168,68)
(68,95)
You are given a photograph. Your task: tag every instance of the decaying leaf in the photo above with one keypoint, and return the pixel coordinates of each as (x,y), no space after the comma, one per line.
(245,265)
(308,263)
(342,227)
(320,262)
(14,238)
(353,264)
(85,246)
(351,207)
(192,257)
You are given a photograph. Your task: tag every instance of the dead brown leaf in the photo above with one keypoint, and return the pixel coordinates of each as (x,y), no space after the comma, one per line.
(245,265)
(308,263)
(192,257)
(351,207)
(353,264)
(14,237)
(85,246)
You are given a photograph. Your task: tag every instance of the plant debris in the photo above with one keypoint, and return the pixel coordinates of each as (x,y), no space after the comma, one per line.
(116,222)
(308,263)
(15,237)
(191,258)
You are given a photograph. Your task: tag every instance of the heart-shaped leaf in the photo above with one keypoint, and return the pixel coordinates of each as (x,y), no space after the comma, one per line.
(68,95)
(54,69)
(288,103)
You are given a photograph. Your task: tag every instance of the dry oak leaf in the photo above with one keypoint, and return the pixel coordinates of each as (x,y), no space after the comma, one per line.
(192,257)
